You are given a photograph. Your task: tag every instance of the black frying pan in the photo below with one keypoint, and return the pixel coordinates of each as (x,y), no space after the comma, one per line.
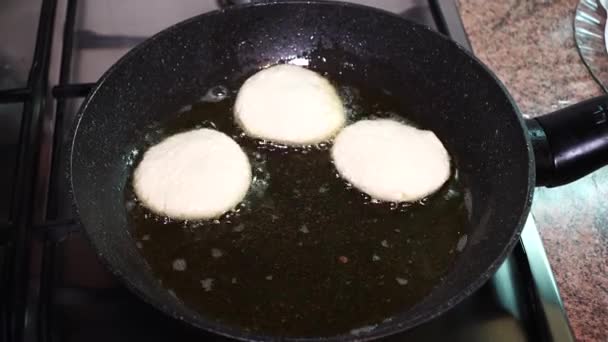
(441,86)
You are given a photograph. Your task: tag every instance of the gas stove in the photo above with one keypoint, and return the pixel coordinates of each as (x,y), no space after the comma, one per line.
(53,287)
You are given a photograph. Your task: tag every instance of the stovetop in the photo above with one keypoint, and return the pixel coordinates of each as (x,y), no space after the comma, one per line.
(54,288)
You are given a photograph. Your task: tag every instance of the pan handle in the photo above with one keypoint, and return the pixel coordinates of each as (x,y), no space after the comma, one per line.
(571,142)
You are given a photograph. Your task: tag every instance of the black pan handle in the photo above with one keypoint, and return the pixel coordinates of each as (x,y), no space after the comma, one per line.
(571,142)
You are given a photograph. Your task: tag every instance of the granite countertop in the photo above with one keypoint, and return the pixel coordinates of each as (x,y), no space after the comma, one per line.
(530,45)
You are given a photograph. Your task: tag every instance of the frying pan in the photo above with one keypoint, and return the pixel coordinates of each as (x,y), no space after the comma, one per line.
(502,155)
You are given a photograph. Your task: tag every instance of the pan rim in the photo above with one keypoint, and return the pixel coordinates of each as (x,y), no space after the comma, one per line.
(199,321)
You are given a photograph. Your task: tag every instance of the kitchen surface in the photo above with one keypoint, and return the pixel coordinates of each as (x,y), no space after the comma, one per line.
(530,46)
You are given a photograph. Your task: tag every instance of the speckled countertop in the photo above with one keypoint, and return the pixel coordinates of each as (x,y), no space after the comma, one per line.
(530,45)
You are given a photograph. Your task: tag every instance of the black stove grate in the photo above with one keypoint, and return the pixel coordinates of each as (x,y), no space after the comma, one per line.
(517,304)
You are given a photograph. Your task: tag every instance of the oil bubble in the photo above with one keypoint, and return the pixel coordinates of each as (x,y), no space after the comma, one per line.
(216,94)
(179,265)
